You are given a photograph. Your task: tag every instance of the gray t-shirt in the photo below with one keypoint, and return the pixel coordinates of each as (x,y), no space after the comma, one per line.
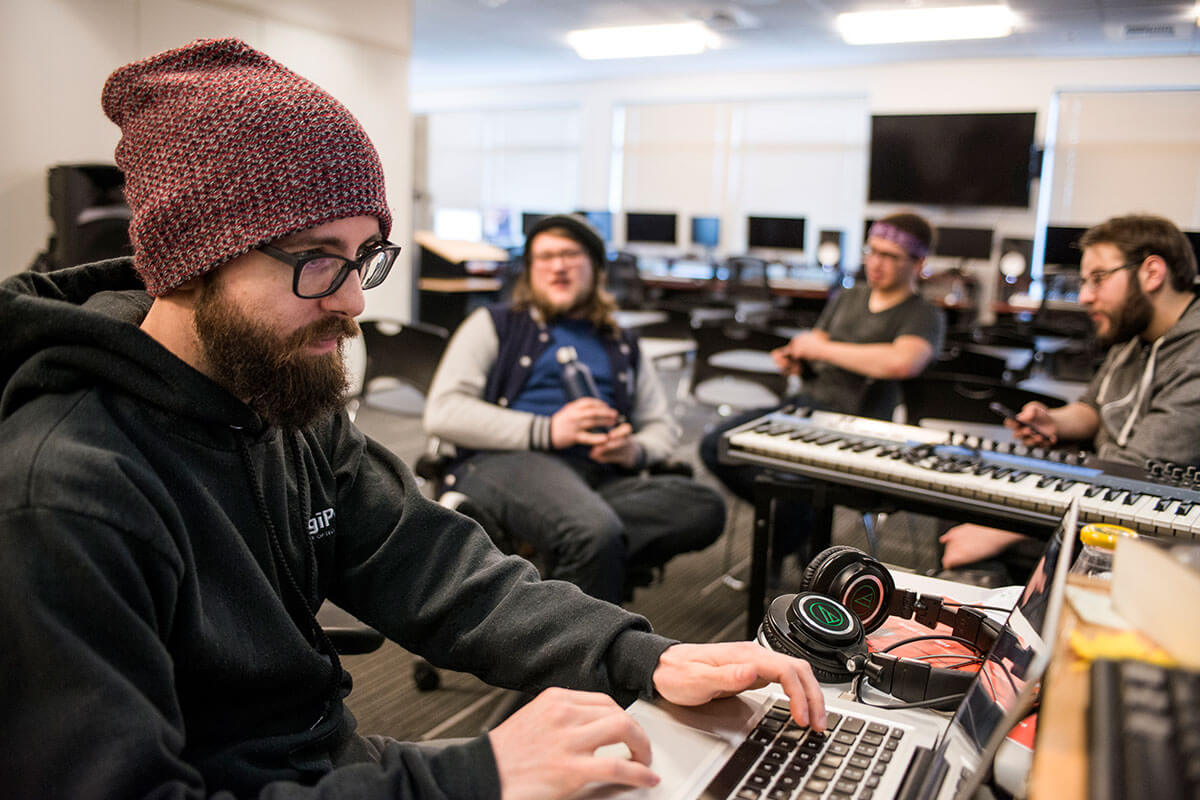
(847,318)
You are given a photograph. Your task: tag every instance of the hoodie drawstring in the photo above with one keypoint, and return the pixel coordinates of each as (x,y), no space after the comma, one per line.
(1142,388)
(289,579)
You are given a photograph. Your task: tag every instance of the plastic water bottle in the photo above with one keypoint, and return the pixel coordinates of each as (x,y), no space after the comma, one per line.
(1099,541)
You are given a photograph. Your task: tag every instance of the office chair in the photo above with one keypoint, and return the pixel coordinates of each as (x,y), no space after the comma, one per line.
(748,284)
(625,282)
(965,398)
(407,352)
(349,636)
(736,357)
(961,359)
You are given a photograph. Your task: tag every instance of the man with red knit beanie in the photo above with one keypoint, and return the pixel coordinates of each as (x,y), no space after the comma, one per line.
(182,488)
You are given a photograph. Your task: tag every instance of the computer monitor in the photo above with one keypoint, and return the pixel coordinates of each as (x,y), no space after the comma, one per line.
(776,233)
(498,226)
(529,219)
(601,221)
(964,242)
(706,231)
(1062,246)
(648,228)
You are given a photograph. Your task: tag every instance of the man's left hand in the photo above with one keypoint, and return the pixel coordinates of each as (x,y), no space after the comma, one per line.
(808,346)
(692,674)
(619,447)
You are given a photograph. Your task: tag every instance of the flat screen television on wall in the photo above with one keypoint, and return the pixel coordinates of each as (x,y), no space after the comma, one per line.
(980,159)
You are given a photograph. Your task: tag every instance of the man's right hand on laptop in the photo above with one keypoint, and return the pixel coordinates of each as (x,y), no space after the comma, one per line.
(692,674)
(547,749)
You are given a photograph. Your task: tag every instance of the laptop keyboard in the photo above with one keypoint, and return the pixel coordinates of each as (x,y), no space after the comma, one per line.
(1143,731)
(780,759)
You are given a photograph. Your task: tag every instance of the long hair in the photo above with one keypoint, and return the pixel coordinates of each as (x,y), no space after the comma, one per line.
(597,305)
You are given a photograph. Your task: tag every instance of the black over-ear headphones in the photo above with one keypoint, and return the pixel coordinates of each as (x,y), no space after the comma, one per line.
(844,595)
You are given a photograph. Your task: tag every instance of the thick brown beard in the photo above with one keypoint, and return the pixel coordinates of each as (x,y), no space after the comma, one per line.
(269,373)
(1132,318)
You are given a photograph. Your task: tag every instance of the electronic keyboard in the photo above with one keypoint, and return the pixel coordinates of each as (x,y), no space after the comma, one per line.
(1005,480)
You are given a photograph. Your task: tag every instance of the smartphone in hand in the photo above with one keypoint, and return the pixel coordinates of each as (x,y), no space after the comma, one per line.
(1008,413)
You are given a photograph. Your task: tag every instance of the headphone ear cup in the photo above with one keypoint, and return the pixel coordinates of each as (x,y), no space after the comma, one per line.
(825,672)
(817,629)
(855,579)
(814,573)
(830,677)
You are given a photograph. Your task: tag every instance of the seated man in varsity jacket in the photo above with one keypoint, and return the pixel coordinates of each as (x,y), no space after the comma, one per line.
(560,471)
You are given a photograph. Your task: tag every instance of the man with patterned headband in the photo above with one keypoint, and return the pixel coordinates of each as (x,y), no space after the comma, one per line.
(867,339)
(182,488)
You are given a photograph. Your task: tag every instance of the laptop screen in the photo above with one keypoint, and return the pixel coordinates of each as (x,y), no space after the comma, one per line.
(1004,690)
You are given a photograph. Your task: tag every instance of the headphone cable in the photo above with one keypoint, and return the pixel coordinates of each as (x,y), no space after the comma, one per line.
(935,637)
(948,602)
(926,703)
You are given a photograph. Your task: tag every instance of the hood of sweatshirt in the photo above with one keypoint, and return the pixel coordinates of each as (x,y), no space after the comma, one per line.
(77,328)
(1135,367)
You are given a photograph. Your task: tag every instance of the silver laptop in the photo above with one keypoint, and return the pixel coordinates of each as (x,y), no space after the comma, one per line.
(736,748)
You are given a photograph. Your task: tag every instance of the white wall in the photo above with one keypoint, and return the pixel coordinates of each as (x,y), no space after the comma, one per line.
(56,55)
(912,87)
(932,86)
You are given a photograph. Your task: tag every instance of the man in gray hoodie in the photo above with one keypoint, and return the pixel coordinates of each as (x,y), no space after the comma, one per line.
(1143,403)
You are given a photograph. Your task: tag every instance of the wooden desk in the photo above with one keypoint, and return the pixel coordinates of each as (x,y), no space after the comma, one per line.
(446,302)
(458,285)
(676,283)
(799,288)
(1060,758)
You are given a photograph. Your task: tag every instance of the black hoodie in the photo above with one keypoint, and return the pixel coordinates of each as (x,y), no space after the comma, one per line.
(161,550)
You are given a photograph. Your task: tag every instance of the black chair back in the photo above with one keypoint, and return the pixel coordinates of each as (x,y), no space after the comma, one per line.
(406,351)
(723,336)
(965,398)
(625,282)
(962,360)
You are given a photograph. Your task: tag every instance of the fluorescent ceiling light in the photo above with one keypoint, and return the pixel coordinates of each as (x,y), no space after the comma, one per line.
(641,41)
(925,24)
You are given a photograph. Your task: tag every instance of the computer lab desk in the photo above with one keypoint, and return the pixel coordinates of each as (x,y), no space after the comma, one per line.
(1060,758)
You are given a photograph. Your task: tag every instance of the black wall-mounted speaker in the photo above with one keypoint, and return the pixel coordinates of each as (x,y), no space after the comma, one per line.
(1014,263)
(831,249)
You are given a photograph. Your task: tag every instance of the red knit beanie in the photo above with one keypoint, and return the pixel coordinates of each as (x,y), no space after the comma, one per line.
(225,149)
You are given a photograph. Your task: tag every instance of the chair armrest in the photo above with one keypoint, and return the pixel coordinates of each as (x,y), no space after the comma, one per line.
(354,641)
(348,636)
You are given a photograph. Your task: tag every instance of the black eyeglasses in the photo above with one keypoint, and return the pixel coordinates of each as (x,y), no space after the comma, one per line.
(321,274)
(1099,276)
(890,258)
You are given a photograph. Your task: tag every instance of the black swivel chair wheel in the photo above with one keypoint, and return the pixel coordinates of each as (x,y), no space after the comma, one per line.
(425,675)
